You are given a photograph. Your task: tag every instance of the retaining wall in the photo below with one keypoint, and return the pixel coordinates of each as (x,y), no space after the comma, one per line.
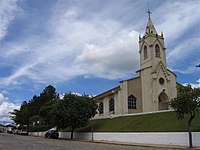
(166,138)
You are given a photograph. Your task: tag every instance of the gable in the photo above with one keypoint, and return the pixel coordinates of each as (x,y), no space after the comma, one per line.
(160,68)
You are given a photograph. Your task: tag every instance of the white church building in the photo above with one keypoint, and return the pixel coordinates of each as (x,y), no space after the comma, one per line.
(152,88)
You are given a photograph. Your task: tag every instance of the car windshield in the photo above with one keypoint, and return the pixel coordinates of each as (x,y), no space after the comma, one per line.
(51,131)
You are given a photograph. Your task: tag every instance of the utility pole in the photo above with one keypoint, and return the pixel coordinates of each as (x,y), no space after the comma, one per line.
(92,133)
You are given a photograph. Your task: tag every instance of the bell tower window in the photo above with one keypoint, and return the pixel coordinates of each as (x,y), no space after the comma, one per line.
(157,50)
(145,52)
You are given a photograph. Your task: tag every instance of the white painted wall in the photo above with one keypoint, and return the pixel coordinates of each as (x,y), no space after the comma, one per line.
(166,138)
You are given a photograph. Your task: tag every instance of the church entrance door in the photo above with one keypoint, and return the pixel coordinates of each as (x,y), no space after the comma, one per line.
(162,101)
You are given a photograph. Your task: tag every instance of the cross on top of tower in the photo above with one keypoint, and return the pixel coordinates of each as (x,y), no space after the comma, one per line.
(149,13)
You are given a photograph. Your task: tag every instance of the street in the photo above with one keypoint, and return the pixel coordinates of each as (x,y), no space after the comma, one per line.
(19,142)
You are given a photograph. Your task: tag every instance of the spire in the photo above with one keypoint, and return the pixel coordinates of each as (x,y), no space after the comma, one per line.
(150,29)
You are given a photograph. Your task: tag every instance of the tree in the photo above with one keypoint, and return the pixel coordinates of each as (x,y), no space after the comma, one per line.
(45,111)
(36,120)
(46,99)
(49,93)
(73,111)
(187,102)
(22,116)
(37,107)
(34,106)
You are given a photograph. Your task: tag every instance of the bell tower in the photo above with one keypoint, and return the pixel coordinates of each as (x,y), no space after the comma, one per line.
(152,48)
(157,82)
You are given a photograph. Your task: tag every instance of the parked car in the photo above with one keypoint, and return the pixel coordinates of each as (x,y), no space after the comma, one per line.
(52,134)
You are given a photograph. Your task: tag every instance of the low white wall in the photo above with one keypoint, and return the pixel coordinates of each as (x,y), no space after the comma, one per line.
(170,138)
(166,138)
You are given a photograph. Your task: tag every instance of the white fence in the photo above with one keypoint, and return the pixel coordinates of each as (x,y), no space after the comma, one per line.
(166,138)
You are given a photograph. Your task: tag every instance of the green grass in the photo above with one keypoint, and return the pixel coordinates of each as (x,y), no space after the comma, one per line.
(158,122)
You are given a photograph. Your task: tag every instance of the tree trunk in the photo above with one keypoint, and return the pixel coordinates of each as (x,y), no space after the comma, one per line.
(27,130)
(72,132)
(190,131)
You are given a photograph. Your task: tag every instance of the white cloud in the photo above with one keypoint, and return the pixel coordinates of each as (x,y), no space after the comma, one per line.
(180,54)
(180,22)
(94,46)
(5,108)
(197,85)
(114,58)
(4,92)
(62,54)
(8,10)
(176,17)
(194,85)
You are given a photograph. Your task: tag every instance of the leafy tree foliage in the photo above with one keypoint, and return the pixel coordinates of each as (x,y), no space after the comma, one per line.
(37,108)
(47,110)
(73,111)
(36,120)
(21,116)
(187,103)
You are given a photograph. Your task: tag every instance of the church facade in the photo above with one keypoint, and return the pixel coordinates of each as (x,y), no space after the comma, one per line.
(151,89)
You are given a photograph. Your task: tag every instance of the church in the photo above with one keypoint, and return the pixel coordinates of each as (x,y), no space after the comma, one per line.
(152,88)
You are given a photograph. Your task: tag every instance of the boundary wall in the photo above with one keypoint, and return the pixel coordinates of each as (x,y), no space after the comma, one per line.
(162,138)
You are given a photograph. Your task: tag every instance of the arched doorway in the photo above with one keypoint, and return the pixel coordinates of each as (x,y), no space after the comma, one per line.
(162,101)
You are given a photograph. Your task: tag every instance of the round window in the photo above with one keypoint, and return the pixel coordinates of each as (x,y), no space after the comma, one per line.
(161,81)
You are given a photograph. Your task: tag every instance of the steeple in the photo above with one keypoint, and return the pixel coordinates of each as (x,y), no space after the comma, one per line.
(152,48)
(150,29)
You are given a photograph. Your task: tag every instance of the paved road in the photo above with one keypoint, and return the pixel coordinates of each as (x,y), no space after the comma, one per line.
(18,142)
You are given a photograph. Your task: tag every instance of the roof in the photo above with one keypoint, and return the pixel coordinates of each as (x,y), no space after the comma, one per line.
(150,29)
(130,79)
(172,72)
(107,93)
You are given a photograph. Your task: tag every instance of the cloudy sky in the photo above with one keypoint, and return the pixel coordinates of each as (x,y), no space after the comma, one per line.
(88,46)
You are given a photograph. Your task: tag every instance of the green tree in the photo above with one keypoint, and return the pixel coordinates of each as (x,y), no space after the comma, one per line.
(36,120)
(49,93)
(22,115)
(74,111)
(34,106)
(46,99)
(37,107)
(187,103)
(45,111)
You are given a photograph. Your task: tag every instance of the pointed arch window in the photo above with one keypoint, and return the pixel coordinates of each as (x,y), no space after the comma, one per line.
(145,52)
(101,108)
(111,105)
(132,102)
(157,51)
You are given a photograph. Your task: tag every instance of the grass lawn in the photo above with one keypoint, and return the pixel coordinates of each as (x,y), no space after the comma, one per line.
(158,122)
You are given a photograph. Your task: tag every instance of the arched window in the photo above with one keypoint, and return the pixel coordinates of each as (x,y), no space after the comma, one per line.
(101,108)
(131,102)
(157,50)
(145,52)
(111,105)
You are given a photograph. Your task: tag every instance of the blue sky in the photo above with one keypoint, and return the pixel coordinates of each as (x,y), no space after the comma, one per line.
(88,46)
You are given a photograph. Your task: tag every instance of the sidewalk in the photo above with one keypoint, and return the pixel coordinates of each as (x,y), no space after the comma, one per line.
(173,147)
